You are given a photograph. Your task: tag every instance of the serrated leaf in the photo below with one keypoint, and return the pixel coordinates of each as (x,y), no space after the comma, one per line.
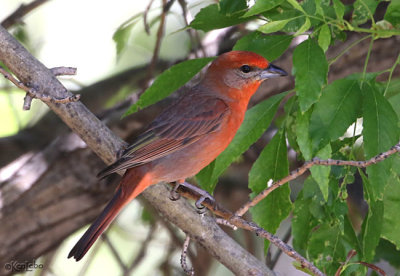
(269,46)
(169,81)
(324,37)
(372,224)
(271,164)
(310,69)
(391,222)
(321,173)
(209,18)
(380,132)
(303,28)
(256,121)
(393,13)
(338,107)
(262,6)
(339,9)
(363,11)
(230,7)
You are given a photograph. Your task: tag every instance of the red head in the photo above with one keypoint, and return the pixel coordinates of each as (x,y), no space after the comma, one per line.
(238,74)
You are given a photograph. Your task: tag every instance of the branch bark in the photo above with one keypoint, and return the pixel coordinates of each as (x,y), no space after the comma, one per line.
(105,144)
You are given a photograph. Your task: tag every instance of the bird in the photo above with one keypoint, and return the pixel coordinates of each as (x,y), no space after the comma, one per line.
(187,136)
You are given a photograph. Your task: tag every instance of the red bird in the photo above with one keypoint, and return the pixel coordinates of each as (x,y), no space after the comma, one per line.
(187,136)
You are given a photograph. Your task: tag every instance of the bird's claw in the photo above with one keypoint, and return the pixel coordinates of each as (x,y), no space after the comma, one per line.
(174,195)
(199,205)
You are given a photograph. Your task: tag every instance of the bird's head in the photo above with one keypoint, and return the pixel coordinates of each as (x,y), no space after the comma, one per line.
(240,73)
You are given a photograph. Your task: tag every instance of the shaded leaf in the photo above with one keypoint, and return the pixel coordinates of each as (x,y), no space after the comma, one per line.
(303,136)
(209,18)
(391,222)
(321,173)
(363,10)
(304,27)
(169,81)
(338,107)
(380,133)
(269,46)
(311,69)
(339,9)
(271,164)
(393,13)
(230,7)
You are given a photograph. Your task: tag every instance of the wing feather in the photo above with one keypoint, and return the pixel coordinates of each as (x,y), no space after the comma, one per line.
(175,128)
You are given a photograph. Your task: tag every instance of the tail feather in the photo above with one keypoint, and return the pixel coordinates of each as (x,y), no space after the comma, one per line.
(132,184)
(98,227)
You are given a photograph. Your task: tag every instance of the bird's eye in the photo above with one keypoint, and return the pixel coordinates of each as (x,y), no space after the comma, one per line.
(245,69)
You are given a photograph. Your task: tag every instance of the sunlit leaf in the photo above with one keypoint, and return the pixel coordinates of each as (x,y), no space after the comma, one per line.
(169,81)
(262,6)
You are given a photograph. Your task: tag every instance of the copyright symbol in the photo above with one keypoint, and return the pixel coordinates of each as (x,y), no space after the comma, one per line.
(8,266)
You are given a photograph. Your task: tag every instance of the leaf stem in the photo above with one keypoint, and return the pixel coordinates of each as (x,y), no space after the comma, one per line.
(333,60)
(391,73)
(366,61)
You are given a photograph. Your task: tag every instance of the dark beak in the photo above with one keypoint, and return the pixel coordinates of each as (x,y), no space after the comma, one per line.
(272,71)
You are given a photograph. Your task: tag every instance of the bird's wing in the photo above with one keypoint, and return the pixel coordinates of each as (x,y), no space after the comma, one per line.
(177,127)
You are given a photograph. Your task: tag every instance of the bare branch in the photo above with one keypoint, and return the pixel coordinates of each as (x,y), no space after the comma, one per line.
(32,93)
(315,161)
(23,10)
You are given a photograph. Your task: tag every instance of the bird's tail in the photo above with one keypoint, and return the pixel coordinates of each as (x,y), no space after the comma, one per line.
(130,187)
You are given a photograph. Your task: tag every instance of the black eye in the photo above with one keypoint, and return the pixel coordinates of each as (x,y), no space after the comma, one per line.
(245,69)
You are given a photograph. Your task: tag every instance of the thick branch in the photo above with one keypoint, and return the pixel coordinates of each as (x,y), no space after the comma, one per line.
(105,144)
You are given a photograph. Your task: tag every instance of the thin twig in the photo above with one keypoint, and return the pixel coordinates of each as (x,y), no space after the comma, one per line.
(225,223)
(63,71)
(307,165)
(146,11)
(22,10)
(142,252)
(241,223)
(114,251)
(32,93)
(186,269)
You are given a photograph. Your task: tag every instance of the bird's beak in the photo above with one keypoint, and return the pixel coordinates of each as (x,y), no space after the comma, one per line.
(272,71)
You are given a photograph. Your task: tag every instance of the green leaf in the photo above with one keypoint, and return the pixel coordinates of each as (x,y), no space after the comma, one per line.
(230,7)
(303,28)
(262,6)
(393,13)
(269,46)
(256,121)
(311,69)
(339,9)
(169,81)
(303,136)
(321,173)
(296,5)
(324,37)
(121,37)
(273,26)
(325,247)
(387,251)
(363,10)
(372,224)
(302,223)
(380,132)
(271,164)
(391,222)
(338,107)
(209,18)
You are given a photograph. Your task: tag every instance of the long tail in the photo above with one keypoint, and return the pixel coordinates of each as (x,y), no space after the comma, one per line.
(132,184)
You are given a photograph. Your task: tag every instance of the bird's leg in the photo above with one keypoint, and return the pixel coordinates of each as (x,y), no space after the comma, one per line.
(174,195)
(204,195)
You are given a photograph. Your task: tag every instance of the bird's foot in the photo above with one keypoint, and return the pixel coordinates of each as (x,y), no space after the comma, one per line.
(174,195)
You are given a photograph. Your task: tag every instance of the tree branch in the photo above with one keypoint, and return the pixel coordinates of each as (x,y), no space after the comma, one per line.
(23,10)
